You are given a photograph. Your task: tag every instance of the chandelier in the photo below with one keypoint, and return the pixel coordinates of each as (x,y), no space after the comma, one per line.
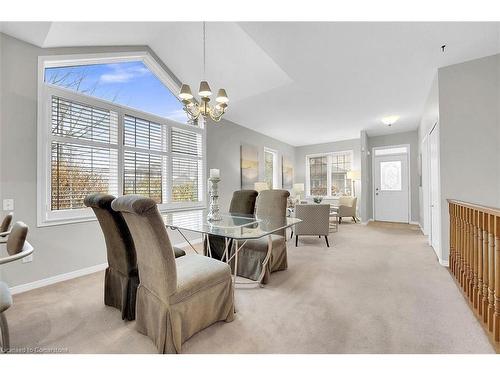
(193,108)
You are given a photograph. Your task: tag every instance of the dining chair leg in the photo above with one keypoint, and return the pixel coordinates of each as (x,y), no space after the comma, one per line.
(296,240)
(327,244)
(340,219)
(5,333)
(291,235)
(354,218)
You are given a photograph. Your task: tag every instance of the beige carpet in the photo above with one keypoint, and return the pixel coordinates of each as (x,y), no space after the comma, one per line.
(378,289)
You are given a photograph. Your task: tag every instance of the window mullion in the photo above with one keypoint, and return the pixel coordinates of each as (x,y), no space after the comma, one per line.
(329,161)
(121,155)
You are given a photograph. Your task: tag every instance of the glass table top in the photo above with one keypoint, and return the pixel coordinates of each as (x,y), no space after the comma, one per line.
(237,226)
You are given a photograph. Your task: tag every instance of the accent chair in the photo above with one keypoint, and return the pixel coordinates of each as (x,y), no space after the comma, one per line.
(242,202)
(121,278)
(315,221)
(176,297)
(252,256)
(347,208)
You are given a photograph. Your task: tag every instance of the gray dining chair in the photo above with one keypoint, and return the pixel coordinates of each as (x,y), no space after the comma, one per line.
(315,221)
(5,226)
(253,262)
(242,202)
(121,278)
(176,297)
(17,248)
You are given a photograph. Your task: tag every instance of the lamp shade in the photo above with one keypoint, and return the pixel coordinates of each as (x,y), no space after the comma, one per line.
(185,93)
(259,186)
(204,89)
(354,175)
(298,188)
(222,96)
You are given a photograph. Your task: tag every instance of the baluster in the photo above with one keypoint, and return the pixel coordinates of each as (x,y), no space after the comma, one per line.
(474,258)
(462,245)
(486,266)
(469,254)
(491,269)
(458,235)
(452,237)
(496,316)
(479,224)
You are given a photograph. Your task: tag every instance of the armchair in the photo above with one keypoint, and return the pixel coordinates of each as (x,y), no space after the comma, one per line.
(347,208)
(315,221)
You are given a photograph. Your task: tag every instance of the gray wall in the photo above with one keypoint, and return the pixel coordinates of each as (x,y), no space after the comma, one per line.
(469,135)
(223,148)
(347,145)
(58,249)
(410,138)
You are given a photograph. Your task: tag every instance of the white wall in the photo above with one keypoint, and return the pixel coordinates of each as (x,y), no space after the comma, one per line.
(365,178)
(410,138)
(223,152)
(58,249)
(469,135)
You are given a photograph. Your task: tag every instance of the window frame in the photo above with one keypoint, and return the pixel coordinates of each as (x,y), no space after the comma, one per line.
(275,167)
(329,156)
(47,217)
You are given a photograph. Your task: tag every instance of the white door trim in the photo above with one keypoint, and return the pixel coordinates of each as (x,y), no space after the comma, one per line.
(408,156)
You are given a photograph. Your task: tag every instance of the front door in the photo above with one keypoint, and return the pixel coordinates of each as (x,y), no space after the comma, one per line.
(391,198)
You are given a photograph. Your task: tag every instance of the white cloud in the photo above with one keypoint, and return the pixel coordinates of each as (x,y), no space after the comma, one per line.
(123,74)
(178,115)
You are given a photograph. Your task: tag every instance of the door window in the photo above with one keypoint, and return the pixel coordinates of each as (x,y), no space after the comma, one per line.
(390,176)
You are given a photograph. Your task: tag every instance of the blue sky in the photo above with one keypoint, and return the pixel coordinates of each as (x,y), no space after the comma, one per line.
(129,83)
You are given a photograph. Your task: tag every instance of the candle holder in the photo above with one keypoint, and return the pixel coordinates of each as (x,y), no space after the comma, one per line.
(213,209)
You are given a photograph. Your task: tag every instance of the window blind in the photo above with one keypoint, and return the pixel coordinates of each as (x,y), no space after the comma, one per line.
(185,142)
(144,160)
(186,174)
(82,160)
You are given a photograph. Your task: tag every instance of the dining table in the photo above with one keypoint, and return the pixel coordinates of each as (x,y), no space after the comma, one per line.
(236,229)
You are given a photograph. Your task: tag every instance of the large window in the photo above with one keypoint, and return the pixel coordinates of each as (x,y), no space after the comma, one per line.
(88,143)
(326,174)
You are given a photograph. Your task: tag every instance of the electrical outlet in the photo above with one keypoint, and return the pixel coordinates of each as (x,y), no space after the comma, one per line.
(8,204)
(28,259)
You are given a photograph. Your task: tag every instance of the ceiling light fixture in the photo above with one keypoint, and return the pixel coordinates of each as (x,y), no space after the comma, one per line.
(194,108)
(389,120)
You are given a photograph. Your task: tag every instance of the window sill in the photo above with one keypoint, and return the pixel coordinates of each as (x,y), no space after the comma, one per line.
(59,222)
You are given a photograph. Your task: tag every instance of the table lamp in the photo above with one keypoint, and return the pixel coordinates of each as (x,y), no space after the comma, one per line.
(354,175)
(298,189)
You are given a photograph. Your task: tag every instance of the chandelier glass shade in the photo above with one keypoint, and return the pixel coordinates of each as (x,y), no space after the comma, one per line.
(194,108)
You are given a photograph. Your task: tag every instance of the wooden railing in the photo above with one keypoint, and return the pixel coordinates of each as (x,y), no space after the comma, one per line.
(475,260)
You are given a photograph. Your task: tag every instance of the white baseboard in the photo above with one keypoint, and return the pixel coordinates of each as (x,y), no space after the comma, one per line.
(74,274)
(444,263)
(57,279)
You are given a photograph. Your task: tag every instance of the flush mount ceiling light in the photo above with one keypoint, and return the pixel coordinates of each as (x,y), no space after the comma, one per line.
(193,108)
(389,120)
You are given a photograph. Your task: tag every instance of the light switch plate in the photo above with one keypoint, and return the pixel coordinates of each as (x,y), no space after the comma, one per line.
(8,204)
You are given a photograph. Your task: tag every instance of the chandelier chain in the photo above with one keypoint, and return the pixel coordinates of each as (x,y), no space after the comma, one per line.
(204,53)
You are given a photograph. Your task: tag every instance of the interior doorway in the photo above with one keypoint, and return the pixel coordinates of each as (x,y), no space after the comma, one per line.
(391,190)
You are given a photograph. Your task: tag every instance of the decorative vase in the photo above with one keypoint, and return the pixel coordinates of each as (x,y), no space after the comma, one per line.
(213,209)
(318,200)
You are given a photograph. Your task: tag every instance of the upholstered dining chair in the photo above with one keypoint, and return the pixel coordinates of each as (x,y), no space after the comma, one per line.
(242,202)
(17,248)
(347,208)
(251,257)
(176,297)
(315,221)
(4,226)
(121,278)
